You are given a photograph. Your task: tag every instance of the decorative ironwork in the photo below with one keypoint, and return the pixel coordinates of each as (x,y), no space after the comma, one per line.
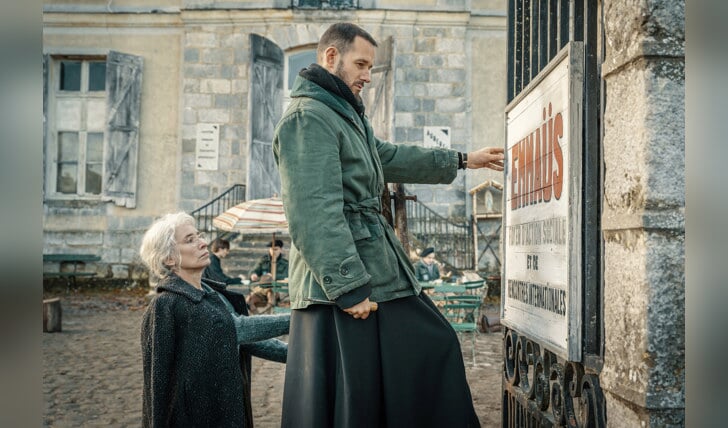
(540,389)
(453,241)
(205,214)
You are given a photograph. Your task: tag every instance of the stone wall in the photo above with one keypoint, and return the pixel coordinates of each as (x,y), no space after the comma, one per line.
(93,226)
(435,69)
(643,218)
(196,70)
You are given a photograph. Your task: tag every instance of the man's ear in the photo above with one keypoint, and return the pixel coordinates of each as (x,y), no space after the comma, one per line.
(330,56)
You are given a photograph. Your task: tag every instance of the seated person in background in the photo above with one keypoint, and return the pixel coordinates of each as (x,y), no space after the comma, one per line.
(265,295)
(426,269)
(220,249)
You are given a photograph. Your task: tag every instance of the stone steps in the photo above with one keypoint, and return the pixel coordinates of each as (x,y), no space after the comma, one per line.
(246,250)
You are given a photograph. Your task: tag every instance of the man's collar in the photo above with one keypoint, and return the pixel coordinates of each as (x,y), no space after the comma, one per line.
(332,83)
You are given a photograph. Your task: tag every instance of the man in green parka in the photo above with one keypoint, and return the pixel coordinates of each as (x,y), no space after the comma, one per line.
(348,366)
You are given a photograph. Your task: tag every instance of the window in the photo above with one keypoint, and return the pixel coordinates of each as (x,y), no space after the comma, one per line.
(79,101)
(91,111)
(295,61)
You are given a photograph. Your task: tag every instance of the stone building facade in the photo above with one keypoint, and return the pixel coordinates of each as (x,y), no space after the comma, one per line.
(196,65)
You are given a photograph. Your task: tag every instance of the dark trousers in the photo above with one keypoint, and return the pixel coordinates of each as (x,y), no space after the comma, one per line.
(401,367)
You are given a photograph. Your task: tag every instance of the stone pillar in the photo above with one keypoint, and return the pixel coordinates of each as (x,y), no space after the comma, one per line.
(643,213)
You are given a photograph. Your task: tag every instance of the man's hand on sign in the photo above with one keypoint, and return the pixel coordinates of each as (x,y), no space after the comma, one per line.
(487,157)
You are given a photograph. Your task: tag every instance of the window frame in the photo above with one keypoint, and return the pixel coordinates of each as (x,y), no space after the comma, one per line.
(86,97)
(286,68)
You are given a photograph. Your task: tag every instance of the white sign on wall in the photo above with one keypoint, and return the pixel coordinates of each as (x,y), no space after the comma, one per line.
(541,291)
(207,151)
(437,136)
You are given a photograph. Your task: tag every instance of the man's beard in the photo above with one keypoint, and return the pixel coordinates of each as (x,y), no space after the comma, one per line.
(339,72)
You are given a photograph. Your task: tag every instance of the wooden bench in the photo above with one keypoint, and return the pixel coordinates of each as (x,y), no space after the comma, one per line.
(76,260)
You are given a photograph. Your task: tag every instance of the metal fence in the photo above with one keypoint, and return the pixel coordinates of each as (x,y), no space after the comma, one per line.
(452,241)
(541,389)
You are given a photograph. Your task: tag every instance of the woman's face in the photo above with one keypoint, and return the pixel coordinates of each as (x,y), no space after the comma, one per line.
(193,252)
(429,259)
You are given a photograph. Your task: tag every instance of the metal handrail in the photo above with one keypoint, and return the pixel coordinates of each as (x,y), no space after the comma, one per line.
(206,213)
(453,241)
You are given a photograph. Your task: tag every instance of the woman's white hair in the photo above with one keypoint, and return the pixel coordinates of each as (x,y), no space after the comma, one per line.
(158,244)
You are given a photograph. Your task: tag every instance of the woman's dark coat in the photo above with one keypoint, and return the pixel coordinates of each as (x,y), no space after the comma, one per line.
(184,383)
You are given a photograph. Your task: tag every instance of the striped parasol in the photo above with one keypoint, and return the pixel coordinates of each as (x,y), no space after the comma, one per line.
(259,216)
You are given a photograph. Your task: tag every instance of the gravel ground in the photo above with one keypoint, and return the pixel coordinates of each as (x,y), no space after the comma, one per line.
(92,369)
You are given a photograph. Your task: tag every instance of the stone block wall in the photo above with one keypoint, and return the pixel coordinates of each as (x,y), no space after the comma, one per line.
(214,90)
(95,230)
(431,89)
(643,218)
(197,71)
(432,73)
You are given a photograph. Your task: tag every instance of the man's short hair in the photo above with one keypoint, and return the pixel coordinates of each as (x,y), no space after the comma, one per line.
(278,243)
(341,36)
(220,244)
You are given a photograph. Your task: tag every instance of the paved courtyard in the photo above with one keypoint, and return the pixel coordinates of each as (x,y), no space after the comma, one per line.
(92,369)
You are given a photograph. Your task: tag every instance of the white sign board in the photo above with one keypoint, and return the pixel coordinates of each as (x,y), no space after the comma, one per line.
(207,152)
(541,292)
(437,136)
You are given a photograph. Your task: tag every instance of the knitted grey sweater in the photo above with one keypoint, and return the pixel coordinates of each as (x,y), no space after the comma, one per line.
(254,333)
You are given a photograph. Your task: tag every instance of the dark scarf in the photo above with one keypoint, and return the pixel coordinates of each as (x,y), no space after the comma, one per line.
(320,76)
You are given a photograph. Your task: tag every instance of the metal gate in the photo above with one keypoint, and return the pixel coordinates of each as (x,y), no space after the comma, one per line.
(540,388)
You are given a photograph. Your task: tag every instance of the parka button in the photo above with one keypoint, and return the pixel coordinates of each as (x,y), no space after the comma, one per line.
(327,279)
(344,271)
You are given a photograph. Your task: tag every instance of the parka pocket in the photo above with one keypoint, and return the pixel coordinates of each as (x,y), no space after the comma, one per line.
(377,255)
(359,229)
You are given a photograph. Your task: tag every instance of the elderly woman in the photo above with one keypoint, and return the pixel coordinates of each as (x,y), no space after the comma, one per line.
(197,339)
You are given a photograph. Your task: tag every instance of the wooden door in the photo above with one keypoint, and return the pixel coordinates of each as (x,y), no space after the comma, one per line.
(266,92)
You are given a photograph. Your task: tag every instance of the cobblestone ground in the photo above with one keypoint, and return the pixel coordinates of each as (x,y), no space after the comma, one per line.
(92,369)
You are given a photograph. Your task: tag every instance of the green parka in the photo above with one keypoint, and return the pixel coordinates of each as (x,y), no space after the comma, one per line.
(422,272)
(333,171)
(264,266)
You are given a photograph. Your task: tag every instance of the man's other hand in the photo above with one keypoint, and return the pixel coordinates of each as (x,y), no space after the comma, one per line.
(360,310)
